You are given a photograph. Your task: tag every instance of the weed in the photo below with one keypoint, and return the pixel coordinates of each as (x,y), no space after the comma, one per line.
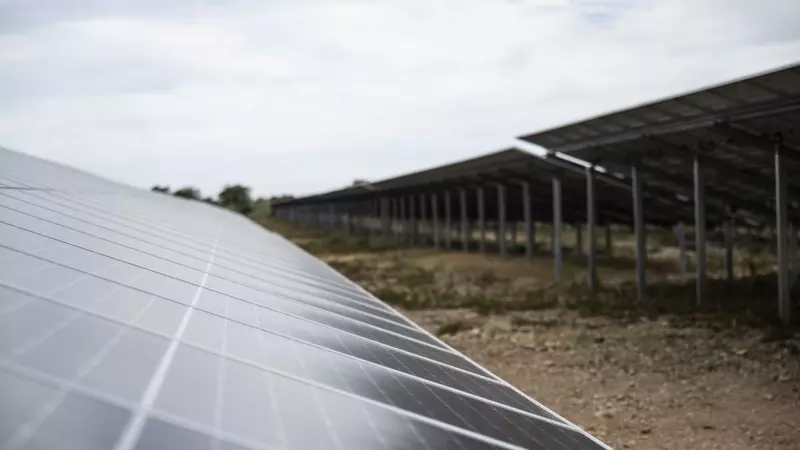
(451,328)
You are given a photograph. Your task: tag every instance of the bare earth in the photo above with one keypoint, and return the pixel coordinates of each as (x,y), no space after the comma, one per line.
(645,385)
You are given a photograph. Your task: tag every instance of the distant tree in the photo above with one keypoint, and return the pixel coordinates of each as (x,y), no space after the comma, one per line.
(261,209)
(210,200)
(237,198)
(360,182)
(280,198)
(162,189)
(188,192)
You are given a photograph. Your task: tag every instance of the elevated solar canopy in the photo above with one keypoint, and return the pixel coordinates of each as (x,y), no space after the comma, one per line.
(137,320)
(730,147)
(492,193)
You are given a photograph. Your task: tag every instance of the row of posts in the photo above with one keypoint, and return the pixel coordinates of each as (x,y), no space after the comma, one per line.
(376,215)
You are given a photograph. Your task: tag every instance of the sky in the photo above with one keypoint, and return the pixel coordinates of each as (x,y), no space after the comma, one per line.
(303,96)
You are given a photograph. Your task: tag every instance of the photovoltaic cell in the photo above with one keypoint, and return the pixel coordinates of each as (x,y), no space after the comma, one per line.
(136,320)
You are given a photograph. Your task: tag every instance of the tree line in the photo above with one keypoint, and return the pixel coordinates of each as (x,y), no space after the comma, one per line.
(235,197)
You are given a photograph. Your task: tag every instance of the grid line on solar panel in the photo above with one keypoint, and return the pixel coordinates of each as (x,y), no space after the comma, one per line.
(291,338)
(24,434)
(418,337)
(245,300)
(96,358)
(387,313)
(377,329)
(396,322)
(166,226)
(133,430)
(306,275)
(281,272)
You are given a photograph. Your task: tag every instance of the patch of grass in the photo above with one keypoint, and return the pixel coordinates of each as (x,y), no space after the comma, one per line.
(453,327)
(537,322)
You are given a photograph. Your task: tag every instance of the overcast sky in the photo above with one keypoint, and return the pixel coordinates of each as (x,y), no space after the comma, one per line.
(302,96)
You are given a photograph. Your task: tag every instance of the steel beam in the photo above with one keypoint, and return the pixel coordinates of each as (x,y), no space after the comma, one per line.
(501,220)
(464,224)
(641,239)
(448,221)
(481,221)
(591,218)
(558,257)
(435,219)
(700,228)
(782,224)
(526,211)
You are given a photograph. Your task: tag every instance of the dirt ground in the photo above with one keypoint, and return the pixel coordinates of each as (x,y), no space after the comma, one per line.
(667,375)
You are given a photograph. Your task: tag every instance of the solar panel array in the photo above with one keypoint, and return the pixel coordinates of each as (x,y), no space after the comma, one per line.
(136,320)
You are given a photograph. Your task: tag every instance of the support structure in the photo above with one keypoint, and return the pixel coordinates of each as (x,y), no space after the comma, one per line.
(591,219)
(557,224)
(412,221)
(641,239)
(501,220)
(435,219)
(464,223)
(700,229)
(385,222)
(729,238)
(782,225)
(680,231)
(422,225)
(403,220)
(526,211)
(481,221)
(448,222)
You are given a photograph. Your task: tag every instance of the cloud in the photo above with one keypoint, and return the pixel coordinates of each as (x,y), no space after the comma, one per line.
(305,96)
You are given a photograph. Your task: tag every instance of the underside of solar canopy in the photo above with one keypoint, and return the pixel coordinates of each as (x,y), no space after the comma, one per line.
(733,149)
(511,168)
(136,320)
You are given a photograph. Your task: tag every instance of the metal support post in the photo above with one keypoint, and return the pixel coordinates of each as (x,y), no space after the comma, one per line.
(386,225)
(435,218)
(448,222)
(641,242)
(591,218)
(526,212)
(412,221)
(782,241)
(501,218)
(422,225)
(557,224)
(403,220)
(481,221)
(464,224)
(346,218)
(700,228)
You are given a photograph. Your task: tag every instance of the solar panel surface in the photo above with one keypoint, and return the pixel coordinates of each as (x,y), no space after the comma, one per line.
(136,320)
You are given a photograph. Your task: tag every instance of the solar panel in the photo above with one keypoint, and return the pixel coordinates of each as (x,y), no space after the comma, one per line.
(136,320)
